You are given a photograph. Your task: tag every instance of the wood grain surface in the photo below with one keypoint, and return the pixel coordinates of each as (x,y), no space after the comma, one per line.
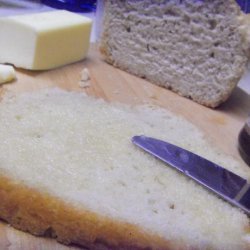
(221,125)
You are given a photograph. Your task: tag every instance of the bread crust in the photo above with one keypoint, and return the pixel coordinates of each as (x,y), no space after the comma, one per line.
(43,215)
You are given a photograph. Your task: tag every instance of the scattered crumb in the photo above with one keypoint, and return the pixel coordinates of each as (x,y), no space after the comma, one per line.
(7,73)
(85,76)
(84,84)
(85,79)
(172,206)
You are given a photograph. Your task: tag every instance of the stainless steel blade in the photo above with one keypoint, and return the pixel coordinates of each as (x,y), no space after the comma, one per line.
(223,182)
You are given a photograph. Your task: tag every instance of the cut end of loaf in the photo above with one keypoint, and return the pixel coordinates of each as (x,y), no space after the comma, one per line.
(194,48)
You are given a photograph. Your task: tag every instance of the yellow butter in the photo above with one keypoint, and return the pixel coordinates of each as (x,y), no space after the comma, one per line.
(44,40)
(7,73)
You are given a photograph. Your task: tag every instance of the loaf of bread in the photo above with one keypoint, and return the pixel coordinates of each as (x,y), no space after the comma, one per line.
(69,170)
(195,48)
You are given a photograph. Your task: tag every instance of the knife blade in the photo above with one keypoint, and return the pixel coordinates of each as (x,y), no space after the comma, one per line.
(224,183)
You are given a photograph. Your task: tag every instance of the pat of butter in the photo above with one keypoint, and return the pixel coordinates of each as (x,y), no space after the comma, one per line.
(44,40)
(7,73)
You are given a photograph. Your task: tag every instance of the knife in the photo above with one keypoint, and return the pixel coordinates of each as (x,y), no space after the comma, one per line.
(226,184)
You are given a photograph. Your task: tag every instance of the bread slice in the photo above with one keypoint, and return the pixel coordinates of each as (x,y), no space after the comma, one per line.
(195,48)
(69,170)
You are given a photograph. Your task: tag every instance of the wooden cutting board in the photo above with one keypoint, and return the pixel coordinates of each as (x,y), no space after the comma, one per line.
(222,125)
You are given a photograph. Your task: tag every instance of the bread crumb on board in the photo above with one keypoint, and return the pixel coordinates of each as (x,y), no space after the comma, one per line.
(85,79)
(7,73)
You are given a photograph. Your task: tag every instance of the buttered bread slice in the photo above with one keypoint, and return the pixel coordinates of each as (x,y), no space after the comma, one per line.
(68,169)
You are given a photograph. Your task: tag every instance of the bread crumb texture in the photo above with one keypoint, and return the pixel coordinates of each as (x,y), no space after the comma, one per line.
(195,48)
(69,170)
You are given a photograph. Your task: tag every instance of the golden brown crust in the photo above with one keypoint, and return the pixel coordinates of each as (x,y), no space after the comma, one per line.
(41,214)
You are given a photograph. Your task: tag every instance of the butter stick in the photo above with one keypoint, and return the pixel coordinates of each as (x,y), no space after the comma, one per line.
(44,40)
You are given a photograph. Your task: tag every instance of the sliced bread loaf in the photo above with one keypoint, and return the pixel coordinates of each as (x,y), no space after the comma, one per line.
(68,169)
(195,48)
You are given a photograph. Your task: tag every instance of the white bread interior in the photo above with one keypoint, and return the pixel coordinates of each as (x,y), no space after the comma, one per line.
(195,48)
(68,169)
